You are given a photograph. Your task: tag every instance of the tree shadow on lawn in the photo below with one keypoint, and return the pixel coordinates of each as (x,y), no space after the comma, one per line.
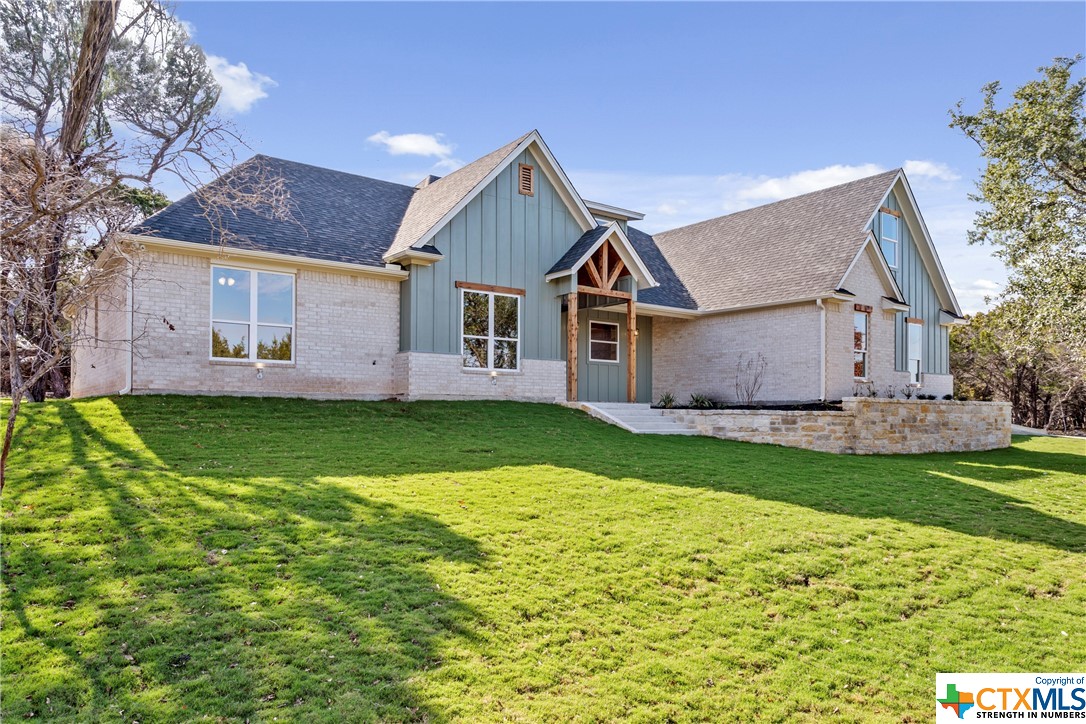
(264,595)
(396,439)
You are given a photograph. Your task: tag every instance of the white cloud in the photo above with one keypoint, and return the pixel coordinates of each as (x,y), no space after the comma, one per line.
(930,170)
(774,189)
(241,87)
(190,28)
(413,144)
(977,295)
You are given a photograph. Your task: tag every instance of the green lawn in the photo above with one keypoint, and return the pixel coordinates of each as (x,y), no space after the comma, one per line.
(169,558)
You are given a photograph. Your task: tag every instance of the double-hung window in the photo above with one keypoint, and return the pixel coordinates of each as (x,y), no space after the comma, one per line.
(490,330)
(602,342)
(889,236)
(916,350)
(860,324)
(250,306)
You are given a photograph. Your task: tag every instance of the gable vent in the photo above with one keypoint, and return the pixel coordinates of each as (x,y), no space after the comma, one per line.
(526,180)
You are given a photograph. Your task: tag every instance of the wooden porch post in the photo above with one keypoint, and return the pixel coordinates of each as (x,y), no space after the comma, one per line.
(571,346)
(631,350)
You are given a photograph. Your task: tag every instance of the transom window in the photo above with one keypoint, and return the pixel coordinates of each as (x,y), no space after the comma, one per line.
(916,351)
(860,323)
(248,305)
(889,236)
(491,330)
(602,341)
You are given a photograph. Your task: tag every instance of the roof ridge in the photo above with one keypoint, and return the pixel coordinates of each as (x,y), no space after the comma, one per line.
(453,174)
(797,197)
(321,168)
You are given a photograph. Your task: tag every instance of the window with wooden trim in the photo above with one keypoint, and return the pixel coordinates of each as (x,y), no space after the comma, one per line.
(861,322)
(490,328)
(915,351)
(526,179)
(248,304)
(602,341)
(889,236)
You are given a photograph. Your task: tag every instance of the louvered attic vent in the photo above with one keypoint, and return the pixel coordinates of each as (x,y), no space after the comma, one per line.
(526,180)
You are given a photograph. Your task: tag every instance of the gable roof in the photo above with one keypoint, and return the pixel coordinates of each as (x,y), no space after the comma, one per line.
(436,203)
(339,216)
(792,249)
(669,290)
(590,241)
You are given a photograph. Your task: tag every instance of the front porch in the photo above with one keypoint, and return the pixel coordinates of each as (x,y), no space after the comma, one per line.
(607,347)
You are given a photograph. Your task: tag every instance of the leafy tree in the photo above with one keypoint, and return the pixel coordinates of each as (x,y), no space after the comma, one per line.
(99,101)
(992,359)
(1034,192)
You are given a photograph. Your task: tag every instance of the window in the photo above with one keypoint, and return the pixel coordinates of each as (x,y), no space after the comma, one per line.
(526,179)
(248,303)
(491,330)
(890,235)
(860,321)
(916,349)
(602,342)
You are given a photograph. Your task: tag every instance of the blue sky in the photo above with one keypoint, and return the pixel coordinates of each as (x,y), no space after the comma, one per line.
(682,111)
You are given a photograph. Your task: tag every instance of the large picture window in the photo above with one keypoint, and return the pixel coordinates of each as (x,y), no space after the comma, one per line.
(916,351)
(252,315)
(860,324)
(490,330)
(603,342)
(889,236)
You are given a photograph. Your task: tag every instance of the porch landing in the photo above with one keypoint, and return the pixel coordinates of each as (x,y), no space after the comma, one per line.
(637,418)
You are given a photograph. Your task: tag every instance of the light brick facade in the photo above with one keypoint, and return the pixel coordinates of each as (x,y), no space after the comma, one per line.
(100,350)
(346,336)
(699,356)
(427,376)
(865,283)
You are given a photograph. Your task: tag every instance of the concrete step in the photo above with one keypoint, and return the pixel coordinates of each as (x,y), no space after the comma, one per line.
(638,418)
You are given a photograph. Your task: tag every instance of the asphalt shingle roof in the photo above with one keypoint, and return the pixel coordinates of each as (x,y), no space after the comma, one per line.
(338,216)
(575,252)
(432,202)
(795,248)
(671,292)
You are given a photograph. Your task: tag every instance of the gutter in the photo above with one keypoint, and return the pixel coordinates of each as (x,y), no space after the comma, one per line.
(821,350)
(130,325)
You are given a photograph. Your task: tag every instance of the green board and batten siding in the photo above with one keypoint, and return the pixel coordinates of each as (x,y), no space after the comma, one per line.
(923,301)
(606,381)
(502,238)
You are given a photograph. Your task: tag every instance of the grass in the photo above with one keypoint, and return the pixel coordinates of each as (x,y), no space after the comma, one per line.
(168,558)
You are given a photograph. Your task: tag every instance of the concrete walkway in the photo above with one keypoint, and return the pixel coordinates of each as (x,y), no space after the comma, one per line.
(636,418)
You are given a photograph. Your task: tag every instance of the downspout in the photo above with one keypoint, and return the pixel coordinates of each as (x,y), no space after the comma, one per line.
(821,350)
(129,324)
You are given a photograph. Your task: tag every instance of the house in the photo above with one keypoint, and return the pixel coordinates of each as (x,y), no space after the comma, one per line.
(500,281)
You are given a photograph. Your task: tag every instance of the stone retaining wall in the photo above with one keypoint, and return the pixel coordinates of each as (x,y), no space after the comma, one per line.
(865,426)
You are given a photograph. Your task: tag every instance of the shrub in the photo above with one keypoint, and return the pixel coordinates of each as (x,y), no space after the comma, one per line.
(700,402)
(925,397)
(907,392)
(945,397)
(667,400)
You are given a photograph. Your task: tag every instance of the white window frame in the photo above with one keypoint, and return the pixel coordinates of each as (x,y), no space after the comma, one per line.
(490,338)
(865,351)
(896,241)
(617,343)
(916,376)
(252,322)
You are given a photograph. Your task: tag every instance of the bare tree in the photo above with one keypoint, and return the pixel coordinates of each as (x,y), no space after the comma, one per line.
(97,100)
(748,377)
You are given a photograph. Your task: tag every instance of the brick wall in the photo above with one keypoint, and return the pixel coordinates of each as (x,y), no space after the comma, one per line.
(700,355)
(865,426)
(346,335)
(100,346)
(428,376)
(864,282)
